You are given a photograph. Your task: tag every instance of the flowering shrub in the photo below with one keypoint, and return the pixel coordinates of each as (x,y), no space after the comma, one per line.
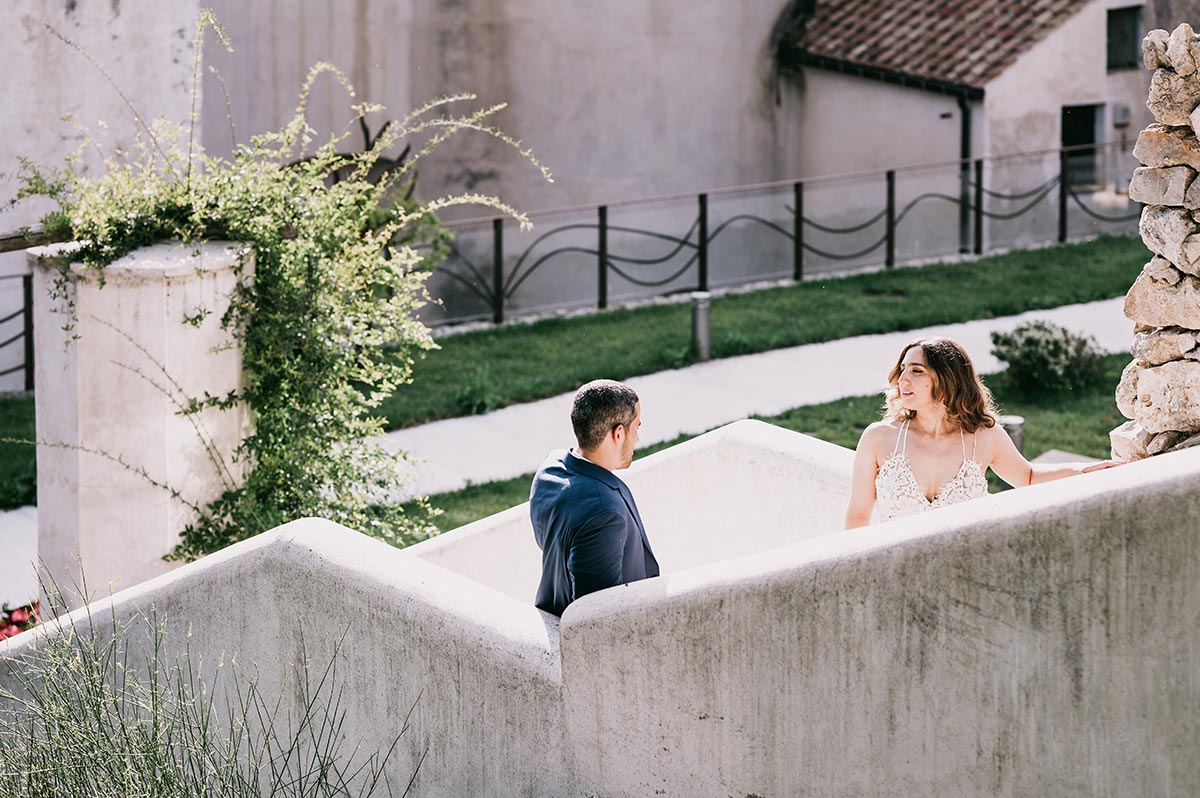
(15,621)
(1045,358)
(327,325)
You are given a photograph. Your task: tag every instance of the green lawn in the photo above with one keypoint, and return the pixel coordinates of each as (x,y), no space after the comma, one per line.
(17,461)
(484,370)
(1078,422)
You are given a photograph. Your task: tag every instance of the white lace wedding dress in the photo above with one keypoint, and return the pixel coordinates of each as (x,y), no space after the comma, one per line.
(899,494)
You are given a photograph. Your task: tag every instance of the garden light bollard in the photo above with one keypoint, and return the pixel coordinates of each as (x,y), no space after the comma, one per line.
(700,339)
(1015,427)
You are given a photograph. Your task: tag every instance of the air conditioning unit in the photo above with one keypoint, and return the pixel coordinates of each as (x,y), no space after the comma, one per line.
(1121,116)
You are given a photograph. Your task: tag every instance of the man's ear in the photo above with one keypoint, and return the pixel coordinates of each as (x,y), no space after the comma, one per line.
(618,434)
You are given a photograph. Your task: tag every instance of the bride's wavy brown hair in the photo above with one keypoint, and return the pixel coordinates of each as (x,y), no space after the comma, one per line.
(968,402)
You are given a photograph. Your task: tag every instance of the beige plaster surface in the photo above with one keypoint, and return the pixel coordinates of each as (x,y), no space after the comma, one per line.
(1040,641)
(116,364)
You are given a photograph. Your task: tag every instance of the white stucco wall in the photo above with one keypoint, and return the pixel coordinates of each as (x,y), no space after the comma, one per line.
(1023,110)
(833,123)
(274,47)
(116,364)
(480,669)
(1036,642)
(147,51)
(621,100)
(1023,105)
(839,125)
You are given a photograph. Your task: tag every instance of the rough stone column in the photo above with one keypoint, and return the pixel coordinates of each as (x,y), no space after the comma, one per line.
(1160,390)
(108,397)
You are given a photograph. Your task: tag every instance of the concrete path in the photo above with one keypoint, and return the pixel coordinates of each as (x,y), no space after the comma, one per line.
(513,441)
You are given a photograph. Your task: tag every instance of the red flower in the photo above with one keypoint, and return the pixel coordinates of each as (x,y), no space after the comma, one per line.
(10,630)
(18,615)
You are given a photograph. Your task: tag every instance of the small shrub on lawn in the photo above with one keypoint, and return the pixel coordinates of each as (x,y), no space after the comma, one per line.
(1045,358)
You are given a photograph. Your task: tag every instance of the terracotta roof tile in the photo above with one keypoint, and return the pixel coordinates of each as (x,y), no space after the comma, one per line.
(967,42)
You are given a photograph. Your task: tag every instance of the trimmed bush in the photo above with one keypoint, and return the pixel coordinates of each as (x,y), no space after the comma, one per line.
(1046,359)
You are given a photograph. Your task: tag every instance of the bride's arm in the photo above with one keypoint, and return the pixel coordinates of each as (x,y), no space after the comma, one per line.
(862,482)
(1014,469)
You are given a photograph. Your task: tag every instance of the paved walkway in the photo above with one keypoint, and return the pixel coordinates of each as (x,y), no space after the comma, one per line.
(513,441)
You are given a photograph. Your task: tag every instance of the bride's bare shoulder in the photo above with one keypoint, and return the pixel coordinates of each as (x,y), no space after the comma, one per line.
(880,433)
(991,436)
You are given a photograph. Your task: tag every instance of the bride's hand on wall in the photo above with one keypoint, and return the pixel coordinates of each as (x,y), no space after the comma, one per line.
(1100,466)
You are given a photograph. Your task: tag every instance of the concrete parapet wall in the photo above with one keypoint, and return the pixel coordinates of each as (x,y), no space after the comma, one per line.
(1036,642)
(480,669)
(739,489)
(1039,642)
(117,362)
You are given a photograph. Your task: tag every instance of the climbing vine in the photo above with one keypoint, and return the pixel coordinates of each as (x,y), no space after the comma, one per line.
(326,321)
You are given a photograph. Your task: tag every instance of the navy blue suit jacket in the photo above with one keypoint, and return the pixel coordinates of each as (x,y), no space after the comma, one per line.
(588,528)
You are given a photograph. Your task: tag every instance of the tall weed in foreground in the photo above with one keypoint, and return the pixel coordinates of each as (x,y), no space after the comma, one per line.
(95,711)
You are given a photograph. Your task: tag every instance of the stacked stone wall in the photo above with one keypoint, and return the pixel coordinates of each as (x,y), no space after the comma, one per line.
(1159,390)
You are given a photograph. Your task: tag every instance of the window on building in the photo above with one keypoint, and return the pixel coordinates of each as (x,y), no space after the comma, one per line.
(1080,124)
(1124,37)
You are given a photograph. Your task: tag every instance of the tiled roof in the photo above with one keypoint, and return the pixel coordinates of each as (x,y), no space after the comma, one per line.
(964,43)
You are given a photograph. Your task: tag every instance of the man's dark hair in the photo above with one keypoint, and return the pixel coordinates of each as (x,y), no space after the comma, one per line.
(601,406)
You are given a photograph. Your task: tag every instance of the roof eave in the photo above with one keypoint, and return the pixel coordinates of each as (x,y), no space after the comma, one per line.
(792,55)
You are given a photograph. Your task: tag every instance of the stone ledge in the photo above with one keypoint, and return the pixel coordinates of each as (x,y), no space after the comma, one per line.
(157,261)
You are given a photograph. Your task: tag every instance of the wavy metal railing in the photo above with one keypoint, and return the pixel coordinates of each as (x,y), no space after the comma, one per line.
(25,334)
(500,289)
(16,241)
(496,287)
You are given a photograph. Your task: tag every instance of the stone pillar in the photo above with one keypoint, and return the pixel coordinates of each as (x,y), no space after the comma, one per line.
(111,376)
(1160,390)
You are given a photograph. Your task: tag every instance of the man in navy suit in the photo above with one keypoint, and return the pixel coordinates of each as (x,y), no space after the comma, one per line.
(584,518)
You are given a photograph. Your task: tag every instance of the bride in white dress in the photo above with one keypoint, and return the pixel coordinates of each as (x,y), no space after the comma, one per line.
(937,439)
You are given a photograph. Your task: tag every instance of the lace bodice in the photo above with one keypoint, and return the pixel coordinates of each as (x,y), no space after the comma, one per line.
(899,494)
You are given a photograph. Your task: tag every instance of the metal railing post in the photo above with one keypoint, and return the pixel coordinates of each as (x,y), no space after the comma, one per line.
(798,233)
(891,219)
(703,243)
(1062,197)
(978,206)
(27,290)
(602,274)
(498,271)
(964,212)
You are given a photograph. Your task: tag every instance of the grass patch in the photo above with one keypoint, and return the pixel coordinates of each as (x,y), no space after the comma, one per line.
(1077,422)
(485,370)
(18,462)
(482,371)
